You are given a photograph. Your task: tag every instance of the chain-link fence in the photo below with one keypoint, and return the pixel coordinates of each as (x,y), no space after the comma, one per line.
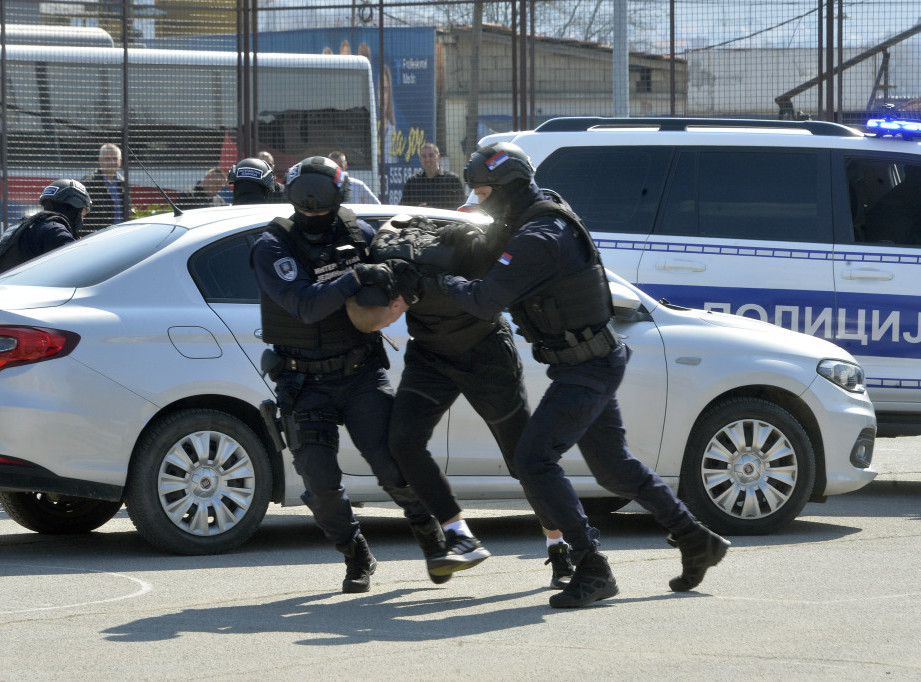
(182,87)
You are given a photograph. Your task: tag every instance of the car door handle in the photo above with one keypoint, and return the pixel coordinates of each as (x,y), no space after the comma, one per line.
(871,274)
(678,265)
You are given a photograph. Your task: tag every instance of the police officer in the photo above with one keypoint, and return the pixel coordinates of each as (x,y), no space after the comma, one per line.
(452,353)
(328,372)
(253,182)
(551,278)
(65,203)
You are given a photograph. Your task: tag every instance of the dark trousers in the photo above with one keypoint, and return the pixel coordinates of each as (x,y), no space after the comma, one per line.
(362,402)
(489,376)
(580,407)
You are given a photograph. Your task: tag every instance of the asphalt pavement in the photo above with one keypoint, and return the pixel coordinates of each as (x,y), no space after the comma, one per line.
(837,595)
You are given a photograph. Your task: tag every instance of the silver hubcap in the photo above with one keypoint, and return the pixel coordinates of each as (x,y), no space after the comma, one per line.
(749,469)
(206,483)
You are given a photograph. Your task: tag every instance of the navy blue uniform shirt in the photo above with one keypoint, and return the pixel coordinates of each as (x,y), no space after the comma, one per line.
(282,279)
(540,251)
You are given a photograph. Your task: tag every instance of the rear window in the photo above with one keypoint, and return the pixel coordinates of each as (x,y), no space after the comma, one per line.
(95,258)
(751,194)
(612,189)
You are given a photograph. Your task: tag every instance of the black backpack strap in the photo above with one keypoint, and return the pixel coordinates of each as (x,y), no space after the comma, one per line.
(10,252)
(357,237)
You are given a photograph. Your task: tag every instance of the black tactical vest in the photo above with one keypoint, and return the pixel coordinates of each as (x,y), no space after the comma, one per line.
(573,309)
(334,333)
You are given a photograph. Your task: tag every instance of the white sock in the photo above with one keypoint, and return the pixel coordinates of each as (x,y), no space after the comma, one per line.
(459,528)
(554,541)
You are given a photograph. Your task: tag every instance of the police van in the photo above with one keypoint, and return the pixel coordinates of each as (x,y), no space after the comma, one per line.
(810,225)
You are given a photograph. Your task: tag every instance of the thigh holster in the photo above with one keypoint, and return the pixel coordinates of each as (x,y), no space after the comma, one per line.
(311,427)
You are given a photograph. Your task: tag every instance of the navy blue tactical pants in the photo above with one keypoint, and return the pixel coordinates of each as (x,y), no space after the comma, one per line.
(489,376)
(580,407)
(362,402)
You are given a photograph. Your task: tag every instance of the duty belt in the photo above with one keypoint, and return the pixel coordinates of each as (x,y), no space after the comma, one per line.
(346,363)
(594,344)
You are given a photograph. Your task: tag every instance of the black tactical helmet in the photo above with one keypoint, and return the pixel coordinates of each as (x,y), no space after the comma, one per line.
(498,164)
(316,184)
(67,192)
(255,170)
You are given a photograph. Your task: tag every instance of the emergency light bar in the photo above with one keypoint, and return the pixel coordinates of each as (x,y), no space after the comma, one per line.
(881,127)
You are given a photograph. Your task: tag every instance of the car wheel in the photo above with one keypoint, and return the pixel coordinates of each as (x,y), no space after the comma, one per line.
(749,467)
(57,514)
(199,483)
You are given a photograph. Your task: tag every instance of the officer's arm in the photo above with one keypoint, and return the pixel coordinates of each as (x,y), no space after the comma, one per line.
(284,281)
(475,249)
(527,264)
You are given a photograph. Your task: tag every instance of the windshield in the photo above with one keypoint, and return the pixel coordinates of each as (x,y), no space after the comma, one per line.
(95,258)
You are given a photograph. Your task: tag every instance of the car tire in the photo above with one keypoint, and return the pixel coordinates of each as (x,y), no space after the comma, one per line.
(199,483)
(749,467)
(58,514)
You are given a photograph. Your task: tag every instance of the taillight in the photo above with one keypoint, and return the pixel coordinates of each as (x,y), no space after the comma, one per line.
(25,345)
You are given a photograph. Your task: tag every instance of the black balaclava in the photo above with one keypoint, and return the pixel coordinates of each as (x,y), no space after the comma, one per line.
(72,214)
(249,192)
(507,202)
(315,228)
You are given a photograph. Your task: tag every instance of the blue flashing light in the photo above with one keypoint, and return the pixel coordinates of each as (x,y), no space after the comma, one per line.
(891,126)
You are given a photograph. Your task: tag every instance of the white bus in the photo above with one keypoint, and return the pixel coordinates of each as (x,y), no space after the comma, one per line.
(61,103)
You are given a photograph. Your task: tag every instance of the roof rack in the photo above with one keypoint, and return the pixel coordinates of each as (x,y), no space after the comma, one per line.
(577,123)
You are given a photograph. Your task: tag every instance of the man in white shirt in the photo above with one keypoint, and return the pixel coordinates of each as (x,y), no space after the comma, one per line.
(361,193)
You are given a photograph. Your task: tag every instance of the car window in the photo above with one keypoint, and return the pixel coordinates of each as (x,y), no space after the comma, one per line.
(95,258)
(885,200)
(767,195)
(222,270)
(613,189)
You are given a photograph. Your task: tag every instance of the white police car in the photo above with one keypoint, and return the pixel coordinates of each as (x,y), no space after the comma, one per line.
(810,225)
(128,372)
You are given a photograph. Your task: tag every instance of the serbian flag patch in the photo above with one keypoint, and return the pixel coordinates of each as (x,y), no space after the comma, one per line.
(496,160)
(505,258)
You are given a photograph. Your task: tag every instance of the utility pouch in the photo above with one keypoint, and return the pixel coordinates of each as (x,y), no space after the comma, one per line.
(272,364)
(289,424)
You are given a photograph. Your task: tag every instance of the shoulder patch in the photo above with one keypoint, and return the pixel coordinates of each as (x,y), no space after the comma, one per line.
(286,269)
(505,258)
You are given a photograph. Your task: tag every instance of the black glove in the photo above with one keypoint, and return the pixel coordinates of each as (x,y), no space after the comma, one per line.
(369,274)
(458,234)
(378,279)
(407,279)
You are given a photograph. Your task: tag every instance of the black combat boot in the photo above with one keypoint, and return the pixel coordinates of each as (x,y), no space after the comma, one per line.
(432,541)
(561,563)
(591,581)
(700,548)
(359,565)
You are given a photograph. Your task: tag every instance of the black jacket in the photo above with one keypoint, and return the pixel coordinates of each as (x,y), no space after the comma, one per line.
(103,211)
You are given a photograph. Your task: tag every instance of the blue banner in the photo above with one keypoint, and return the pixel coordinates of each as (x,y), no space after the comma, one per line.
(404,84)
